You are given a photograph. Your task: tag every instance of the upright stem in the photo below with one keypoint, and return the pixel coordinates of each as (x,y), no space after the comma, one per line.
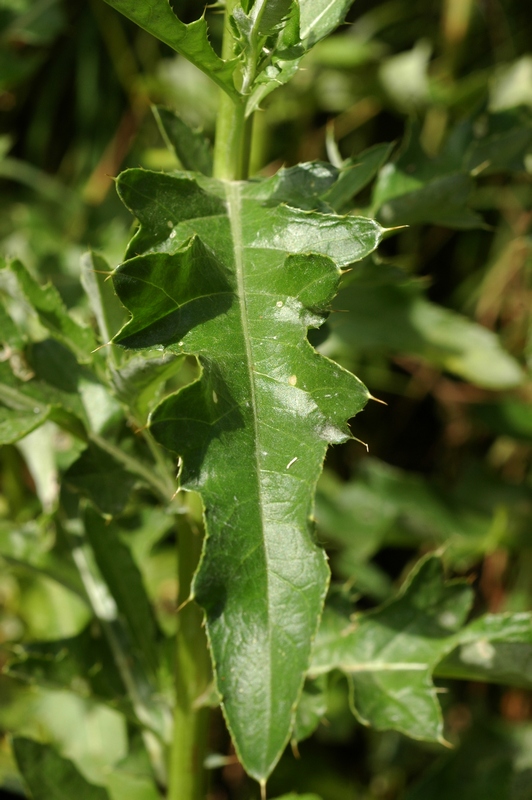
(192,664)
(233,131)
(192,675)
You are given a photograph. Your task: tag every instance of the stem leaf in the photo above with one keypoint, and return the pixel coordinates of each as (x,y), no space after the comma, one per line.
(51,777)
(158,18)
(190,146)
(391,654)
(238,283)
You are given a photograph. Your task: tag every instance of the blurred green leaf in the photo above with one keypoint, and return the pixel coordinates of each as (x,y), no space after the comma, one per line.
(480,768)
(38,449)
(132,777)
(125,785)
(51,777)
(124,582)
(101,478)
(9,332)
(293,796)
(512,84)
(39,23)
(190,146)
(346,51)
(443,201)
(16,424)
(77,398)
(47,303)
(404,77)
(311,708)
(319,18)
(500,142)
(506,418)
(28,545)
(390,654)
(301,187)
(109,312)
(82,664)
(417,188)
(139,381)
(355,174)
(389,312)
(496,648)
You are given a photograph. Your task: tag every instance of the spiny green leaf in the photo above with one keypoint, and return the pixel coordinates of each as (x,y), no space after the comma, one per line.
(51,777)
(192,41)
(238,283)
(276,74)
(390,653)
(269,45)
(190,146)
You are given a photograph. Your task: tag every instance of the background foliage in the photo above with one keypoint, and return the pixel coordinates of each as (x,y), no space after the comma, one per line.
(441,93)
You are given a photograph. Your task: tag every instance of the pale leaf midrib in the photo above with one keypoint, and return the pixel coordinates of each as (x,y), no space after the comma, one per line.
(234,201)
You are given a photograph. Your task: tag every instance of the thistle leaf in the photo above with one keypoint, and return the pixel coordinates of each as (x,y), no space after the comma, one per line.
(158,18)
(389,654)
(392,653)
(238,283)
(51,777)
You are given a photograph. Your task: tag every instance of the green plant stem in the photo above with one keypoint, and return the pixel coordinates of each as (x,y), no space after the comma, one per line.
(192,676)
(233,131)
(192,665)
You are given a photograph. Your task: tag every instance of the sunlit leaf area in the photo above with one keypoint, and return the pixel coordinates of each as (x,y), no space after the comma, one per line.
(266,400)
